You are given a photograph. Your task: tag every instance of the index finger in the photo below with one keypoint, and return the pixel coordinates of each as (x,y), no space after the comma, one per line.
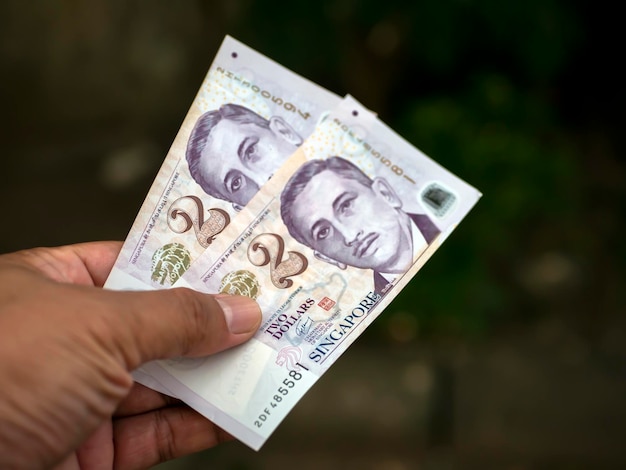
(83,263)
(98,258)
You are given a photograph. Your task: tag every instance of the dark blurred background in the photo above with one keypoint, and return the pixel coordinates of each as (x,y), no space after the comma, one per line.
(508,350)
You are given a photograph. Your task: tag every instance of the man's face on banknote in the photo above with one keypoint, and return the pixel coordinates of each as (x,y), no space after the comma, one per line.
(240,157)
(354,224)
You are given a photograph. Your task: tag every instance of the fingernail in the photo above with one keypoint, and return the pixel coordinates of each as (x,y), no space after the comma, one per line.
(242,314)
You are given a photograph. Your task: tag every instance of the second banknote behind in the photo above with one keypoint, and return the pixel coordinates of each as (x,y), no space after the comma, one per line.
(323,248)
(249,115)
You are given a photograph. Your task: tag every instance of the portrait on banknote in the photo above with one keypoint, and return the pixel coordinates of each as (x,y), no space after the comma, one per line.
(232,151)
(350,219)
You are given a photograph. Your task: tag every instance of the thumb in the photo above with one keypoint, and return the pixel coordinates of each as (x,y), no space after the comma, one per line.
(180,322)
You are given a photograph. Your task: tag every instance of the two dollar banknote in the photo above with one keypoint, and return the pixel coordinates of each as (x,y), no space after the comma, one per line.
(279,190)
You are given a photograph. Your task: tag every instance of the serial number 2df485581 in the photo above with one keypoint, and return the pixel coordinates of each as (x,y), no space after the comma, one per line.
(282,391)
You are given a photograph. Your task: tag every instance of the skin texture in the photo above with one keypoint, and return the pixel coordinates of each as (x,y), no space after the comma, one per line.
(67,347)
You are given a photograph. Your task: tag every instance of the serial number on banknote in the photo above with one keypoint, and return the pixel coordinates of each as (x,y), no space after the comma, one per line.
(278,397)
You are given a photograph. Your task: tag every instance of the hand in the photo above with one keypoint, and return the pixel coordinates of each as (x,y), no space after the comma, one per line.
(67,347)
